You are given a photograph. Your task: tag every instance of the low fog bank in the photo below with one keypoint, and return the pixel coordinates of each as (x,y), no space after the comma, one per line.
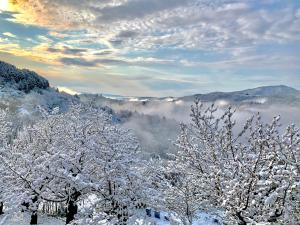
(156,122)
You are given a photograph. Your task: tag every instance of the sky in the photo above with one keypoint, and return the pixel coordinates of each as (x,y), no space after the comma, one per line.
(154,47)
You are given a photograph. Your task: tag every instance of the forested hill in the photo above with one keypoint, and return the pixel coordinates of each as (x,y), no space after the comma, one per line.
(21,79)
(22,90)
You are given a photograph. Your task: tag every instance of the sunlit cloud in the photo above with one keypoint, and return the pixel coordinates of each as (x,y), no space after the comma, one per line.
(67,90)
(8,34)
(4,5)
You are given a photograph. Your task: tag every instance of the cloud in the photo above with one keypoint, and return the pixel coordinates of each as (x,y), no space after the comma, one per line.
(8,34)
(67,50)
(68,90)
(136,9)
(184,23)
(219,38)
(138,61)
(78,62)
(127,34)
(103,52)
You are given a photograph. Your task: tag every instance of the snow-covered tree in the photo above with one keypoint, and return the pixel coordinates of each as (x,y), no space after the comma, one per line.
(289,154)
(181,197)
(25,178)
(95,156)
(23,80)
(69,157)
(5,137)
(239,172)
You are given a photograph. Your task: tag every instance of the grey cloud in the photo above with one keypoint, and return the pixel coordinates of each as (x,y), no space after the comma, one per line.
(136,9)
(200,24)
(67,50)
(116,42)
(78,62)
(101,53)
(127,34)
(53,50)
(112,61)
(122,36)
(75,51)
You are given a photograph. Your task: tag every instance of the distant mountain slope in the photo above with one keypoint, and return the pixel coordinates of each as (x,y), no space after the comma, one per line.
(279,90)
(271,93)
(21,79)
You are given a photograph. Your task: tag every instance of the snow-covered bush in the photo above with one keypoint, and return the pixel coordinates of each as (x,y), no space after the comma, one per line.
(252,174)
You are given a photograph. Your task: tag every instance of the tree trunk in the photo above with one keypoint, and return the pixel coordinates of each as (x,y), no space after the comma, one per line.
(122,215)
(72,207)
(1,208)
(34,218)
(34,215)
(71,211)
(241,219)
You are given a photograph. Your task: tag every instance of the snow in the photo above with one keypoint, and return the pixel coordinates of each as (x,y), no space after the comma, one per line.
(138,100)
(140,219)
(24,219)
(169,99)
(133,99)
(202,218)
(24,112)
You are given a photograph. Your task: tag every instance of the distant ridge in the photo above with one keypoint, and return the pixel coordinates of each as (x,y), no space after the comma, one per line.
(279,91)
(271,91)
(21,79)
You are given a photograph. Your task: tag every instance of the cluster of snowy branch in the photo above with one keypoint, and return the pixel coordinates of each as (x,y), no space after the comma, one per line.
(70,157)
(252,176)
(85,161)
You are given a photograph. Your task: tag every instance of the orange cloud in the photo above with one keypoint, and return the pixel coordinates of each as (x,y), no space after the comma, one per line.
(36,54)
(44,13)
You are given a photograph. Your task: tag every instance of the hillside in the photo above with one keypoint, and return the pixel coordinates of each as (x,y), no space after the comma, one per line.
(22,92)
(21,79)
(277,94)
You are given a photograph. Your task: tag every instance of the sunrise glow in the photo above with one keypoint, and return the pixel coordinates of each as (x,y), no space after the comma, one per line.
(4,5)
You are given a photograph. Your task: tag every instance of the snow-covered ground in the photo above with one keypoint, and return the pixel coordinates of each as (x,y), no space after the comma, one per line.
(202,219)
(140,219)
(24,219)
